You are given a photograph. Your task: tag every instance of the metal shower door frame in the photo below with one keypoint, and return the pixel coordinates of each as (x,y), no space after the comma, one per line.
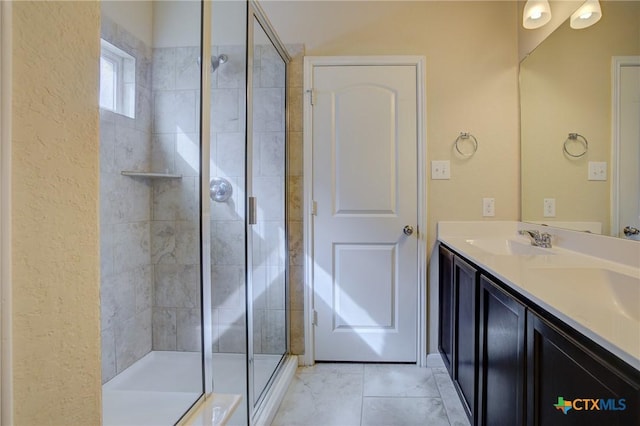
(254,11)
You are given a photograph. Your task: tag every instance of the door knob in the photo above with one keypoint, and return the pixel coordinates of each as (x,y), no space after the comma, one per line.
(408,230)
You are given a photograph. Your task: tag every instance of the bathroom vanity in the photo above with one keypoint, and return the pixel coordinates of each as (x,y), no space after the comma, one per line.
(540,336)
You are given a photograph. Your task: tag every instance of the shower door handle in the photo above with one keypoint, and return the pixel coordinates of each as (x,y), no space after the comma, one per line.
(253,211)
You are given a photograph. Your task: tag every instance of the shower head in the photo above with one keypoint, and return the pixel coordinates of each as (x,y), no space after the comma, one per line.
(216,61)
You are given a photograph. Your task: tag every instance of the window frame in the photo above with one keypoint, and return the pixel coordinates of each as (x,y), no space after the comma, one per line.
(118,58)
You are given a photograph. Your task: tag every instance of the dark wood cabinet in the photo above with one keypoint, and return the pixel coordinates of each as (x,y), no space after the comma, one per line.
(513,363)
(501,357)
(445,307)
(465,334)
(560,369)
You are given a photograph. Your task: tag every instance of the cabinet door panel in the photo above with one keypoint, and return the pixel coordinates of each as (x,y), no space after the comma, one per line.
(501,357)
(445,307)
(559,367)
(466,333)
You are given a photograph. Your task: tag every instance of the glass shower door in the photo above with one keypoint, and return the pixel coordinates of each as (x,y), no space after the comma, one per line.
(228,75)
(150,211)
(266,175)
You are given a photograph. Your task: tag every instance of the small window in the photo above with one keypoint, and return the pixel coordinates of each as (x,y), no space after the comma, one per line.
(117,80)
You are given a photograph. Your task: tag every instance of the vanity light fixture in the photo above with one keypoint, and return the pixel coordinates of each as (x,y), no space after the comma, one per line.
(586,15)
(536,14)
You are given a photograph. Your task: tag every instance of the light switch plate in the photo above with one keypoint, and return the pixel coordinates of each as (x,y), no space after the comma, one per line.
(549,207)
(488,207)
(440,169)
(597,170)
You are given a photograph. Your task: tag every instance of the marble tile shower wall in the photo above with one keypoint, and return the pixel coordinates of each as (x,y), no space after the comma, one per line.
(174,227)
(174,148)
(126,272)
(149,242)
(228,125)
(227,227)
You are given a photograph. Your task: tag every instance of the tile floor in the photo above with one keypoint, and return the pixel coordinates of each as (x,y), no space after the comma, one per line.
(370,394)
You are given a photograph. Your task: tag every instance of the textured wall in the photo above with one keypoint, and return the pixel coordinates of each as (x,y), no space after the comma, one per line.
(126,271)
(56,321)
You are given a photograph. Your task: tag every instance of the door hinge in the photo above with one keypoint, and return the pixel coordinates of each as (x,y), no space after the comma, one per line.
(311,96)
(315,318)
(314,208)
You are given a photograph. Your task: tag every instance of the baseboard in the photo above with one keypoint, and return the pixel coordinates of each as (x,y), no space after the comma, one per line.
(435,361)
(279,388)
(301,360)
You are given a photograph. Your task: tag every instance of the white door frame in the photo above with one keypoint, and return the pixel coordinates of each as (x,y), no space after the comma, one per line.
(617,63)
(6,401)
(309,63)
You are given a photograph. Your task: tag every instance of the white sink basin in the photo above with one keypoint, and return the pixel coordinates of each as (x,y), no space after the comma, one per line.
(601,288)
(501,246)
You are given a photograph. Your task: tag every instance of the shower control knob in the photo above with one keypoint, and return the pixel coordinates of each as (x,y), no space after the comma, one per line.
(220,189)
(408,230)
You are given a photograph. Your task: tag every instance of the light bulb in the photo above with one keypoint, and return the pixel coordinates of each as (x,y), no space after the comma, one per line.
(586,15)
(536,14)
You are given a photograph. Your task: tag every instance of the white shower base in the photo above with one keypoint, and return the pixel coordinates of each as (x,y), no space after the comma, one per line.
(156,390)
(229,376)
(159,388)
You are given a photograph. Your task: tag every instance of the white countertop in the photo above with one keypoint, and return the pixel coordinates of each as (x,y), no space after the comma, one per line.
(583,286)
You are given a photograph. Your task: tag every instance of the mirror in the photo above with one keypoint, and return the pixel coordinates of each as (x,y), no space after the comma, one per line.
(567,86)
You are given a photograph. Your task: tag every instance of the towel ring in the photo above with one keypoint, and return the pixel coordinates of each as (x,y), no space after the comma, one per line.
(463,136)
(576,137)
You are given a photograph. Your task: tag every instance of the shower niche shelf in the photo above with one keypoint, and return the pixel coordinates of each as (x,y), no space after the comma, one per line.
(150,175)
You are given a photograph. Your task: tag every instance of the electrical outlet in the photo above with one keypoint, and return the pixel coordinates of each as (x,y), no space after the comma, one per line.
(488,207)
(597,170)
(440,169)
(549,207)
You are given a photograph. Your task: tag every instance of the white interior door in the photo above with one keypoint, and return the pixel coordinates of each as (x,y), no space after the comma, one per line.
(629,155)
(365,272)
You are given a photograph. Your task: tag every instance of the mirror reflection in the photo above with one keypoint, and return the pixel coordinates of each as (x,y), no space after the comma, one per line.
(584,82)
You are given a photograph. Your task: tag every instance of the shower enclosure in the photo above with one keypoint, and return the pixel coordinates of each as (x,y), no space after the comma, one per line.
(193,207)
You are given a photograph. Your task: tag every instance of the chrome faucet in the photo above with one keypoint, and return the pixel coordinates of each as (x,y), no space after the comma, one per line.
(537,239)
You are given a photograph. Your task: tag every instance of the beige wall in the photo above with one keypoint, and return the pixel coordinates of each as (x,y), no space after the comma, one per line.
(472,85)
(56,324)
(566,87)
(134,16)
